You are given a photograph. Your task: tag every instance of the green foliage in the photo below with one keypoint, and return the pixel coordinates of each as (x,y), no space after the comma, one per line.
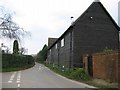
(75,74)
(103,84)
(79,74)
(16,61)
(15,47)
(107,50)
(42,55)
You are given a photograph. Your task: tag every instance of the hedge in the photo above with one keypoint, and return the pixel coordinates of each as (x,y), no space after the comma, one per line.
(16,61)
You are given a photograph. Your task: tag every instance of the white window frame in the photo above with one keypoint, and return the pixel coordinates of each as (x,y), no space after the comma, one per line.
(56,46)
(62,42)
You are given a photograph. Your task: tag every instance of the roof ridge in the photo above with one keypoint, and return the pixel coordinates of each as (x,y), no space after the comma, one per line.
(71,26)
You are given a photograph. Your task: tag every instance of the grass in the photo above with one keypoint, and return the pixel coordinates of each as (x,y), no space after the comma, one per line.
(101,84)
(81,76)
(76,74)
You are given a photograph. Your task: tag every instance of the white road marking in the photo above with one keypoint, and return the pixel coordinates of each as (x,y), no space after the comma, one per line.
(18,85)
(39,67)
(12,77)
(9,81)
(18,77)
(43,68)
(17,81)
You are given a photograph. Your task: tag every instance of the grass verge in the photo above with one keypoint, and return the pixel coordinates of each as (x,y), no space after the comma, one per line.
(102,84)
(80,75)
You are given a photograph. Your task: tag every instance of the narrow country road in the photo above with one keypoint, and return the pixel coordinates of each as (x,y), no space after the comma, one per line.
(38,76)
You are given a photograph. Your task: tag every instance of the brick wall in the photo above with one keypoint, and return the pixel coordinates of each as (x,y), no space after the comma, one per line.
(105,66)
(85,61)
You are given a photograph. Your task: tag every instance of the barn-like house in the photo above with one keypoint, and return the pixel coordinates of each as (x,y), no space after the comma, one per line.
(92,32)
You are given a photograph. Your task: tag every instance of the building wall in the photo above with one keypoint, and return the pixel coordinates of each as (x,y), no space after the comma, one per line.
(119,13)
(48,57)
(61,56)
(56,54)
(93,32)
(64,52)
(119,20)
(52,54)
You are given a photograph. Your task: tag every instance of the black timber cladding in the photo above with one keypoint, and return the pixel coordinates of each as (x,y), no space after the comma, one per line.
(92,32)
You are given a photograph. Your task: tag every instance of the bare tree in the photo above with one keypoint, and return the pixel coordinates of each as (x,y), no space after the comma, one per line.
(22,50)
(8,28)
(5,48)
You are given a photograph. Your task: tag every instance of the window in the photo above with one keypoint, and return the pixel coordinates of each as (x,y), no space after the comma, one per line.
(62,42)
(56,46)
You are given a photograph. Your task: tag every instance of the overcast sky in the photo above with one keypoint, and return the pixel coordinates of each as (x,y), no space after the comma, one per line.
(49,18)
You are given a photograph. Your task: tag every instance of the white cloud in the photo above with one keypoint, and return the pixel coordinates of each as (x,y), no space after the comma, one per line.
(49,18)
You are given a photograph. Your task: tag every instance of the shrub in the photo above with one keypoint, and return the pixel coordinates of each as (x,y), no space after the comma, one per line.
(42,55)
(16,61)
(79,74)
(107,50)
(15,47)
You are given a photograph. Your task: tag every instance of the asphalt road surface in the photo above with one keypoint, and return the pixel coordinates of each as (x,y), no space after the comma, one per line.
(38,76)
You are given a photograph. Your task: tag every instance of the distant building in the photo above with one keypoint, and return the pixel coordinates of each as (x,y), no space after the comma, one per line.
(92,32)
(51,41)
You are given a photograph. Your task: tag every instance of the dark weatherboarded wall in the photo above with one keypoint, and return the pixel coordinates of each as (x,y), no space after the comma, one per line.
(93,32)
(64,51)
